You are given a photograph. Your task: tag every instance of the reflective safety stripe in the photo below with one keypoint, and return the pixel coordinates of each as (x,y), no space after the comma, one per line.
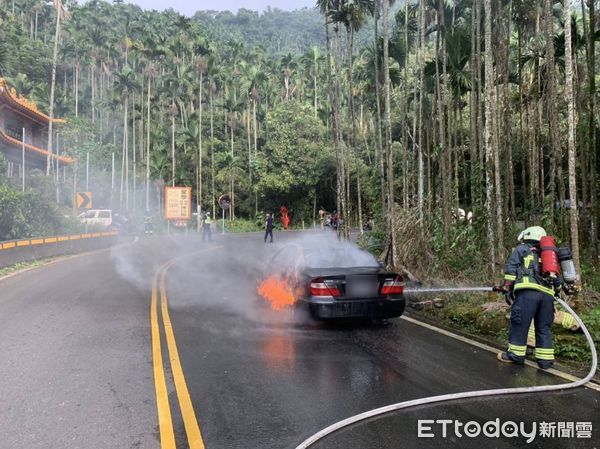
(568,321)
(531,336)
(544,353)
(517,350)
(527,284)
(527,260)
(509,277)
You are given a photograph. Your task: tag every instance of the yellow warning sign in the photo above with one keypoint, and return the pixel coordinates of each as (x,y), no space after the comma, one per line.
(84,200)
(178,203)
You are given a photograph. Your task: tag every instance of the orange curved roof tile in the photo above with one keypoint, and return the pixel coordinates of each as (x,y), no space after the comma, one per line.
(23,103)
(19,144)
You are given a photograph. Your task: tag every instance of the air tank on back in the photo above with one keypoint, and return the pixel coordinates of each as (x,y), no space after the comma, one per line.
(549,257)
(566,265)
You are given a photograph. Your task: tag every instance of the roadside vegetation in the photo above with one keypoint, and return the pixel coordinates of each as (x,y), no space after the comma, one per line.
(31,213)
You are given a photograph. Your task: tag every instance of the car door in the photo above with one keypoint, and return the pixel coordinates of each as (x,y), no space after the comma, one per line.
(105,218)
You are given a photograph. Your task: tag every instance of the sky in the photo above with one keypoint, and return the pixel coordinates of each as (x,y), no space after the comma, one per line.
(189,7)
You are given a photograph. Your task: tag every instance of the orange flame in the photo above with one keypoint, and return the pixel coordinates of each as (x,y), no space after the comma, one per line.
(277,291)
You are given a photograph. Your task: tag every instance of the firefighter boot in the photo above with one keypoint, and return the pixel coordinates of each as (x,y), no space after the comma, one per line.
(507,357)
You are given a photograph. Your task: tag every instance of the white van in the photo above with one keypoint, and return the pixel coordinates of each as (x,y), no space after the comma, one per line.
(99,217)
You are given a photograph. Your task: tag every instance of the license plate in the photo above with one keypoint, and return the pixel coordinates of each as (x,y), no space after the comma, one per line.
(362,286)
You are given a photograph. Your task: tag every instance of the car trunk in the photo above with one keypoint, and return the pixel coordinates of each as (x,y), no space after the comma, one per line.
(354,282)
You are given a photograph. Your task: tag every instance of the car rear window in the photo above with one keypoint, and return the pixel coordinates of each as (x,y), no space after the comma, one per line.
(341,257)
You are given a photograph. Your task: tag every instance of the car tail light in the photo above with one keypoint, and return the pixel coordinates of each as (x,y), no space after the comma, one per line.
(393,286)
(320,287)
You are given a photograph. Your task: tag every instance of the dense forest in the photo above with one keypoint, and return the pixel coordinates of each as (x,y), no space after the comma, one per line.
(412,112)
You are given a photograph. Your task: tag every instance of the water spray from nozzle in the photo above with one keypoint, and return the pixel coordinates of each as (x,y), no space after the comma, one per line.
(450,289)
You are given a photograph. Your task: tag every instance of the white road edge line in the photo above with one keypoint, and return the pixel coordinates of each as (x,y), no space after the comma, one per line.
(488,348)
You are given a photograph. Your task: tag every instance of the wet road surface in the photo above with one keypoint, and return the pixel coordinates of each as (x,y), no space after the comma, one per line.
(78,365)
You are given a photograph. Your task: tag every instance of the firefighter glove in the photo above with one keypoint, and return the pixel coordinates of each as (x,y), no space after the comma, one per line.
(509,297)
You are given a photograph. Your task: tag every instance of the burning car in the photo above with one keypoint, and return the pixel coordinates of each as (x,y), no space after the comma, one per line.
(332,281)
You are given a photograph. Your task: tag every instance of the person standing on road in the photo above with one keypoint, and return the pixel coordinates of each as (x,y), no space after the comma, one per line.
(530,298)
(269,227)
(322,214)
(335,219)
(148,226)
(206,231)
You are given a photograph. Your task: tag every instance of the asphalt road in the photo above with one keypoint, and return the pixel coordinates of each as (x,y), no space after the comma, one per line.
(80,340)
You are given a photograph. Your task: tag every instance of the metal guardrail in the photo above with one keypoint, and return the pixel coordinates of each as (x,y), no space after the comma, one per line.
(26,250)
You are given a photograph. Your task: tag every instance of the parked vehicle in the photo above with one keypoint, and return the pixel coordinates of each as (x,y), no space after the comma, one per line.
(97,217)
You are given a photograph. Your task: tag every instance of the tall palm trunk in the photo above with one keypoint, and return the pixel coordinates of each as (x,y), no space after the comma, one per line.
(199,180)
(232,174)
(76,89)
(134,152)
(441,103)
(571,126)
(148,147)
(551,100)
(126,142)
(52,92)
(474,128)
(406,124)
(489,127)
(124,164)
(173,114)
(388,134)
(212,149)
(339,143)
(592,152)
(379,120)
(421,64)
(350,36)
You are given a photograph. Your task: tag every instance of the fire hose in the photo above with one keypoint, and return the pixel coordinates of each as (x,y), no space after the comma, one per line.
(465,395)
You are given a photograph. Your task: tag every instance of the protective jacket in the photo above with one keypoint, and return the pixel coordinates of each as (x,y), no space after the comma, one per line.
(523,270)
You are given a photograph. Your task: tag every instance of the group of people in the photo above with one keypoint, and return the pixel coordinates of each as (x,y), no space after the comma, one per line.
(329,220)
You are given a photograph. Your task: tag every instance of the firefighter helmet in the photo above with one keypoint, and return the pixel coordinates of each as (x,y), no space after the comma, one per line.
(533,233)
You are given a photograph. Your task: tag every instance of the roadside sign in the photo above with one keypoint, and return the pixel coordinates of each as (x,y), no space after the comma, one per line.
(178,203)
(224,202)
(84,200)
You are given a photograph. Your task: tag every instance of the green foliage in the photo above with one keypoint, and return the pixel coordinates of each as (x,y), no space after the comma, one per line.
(275,30)
(574,345)
(295,159)
(238,226)
(31,213)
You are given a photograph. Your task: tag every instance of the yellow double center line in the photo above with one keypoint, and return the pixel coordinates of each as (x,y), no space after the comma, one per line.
(165,421)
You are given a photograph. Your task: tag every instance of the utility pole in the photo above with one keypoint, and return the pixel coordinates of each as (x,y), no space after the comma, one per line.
(87,172)
(57,169)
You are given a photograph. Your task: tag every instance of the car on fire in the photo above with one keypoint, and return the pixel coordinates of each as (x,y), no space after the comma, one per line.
(334,281)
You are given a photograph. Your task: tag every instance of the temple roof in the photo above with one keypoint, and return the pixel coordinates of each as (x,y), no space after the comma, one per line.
(23,105)
(19,145)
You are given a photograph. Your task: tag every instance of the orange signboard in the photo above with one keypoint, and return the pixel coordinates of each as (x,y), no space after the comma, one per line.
(178,203)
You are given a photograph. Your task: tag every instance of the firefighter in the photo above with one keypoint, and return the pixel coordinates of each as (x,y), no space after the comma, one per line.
(206,231)
(531,297)
(269,227)
(148,226)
